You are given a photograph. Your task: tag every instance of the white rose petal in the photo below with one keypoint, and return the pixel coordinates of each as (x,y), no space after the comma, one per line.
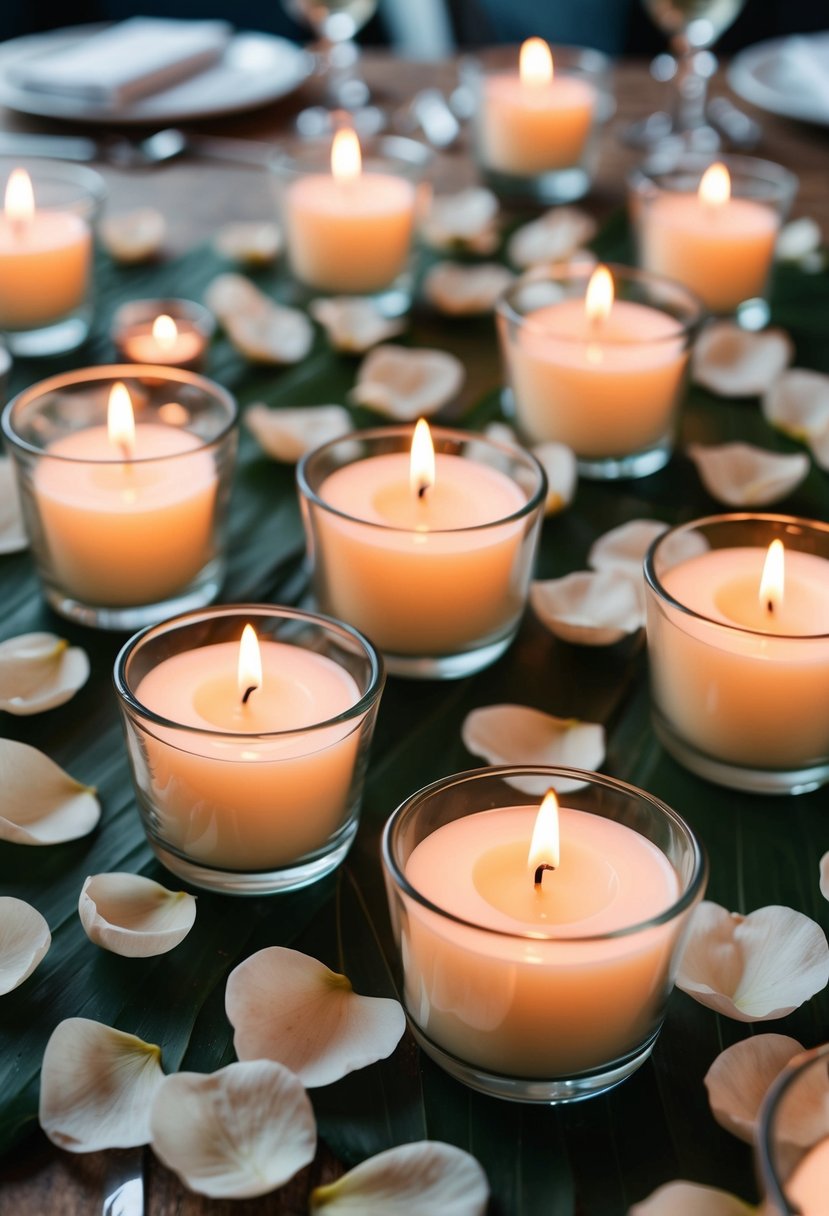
(732,362)
(551,238)
(39,671)
(742,475)
(133,236)
(428,1178)
(287,434)
(39,802)
(24,940)
(407,384)
(740,1076)
(519,735)
(134,916)
(13,536)
(590,608)
(691,1199)
(354,324)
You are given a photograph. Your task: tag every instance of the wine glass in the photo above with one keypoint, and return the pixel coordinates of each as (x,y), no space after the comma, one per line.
(692,27)
(335,24)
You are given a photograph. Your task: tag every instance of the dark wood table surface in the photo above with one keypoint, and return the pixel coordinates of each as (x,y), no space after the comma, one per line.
(196,198)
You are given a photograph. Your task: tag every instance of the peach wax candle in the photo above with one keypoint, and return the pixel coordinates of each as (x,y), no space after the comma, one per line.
(170,332)
(537,957)
(428,553)
(601,374)
(248,731)
(738,634)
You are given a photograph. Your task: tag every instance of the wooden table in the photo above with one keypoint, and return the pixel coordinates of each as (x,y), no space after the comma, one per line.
(196,198)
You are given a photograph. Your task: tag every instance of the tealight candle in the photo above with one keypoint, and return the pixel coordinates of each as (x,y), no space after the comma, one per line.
(537,957)
(429,554)
(739,649)
(46,257)
(248,729)
(714,231)
(171,333)
(124,513)
(601,374)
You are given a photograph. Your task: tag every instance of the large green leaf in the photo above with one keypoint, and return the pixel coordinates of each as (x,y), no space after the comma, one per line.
(594,1158)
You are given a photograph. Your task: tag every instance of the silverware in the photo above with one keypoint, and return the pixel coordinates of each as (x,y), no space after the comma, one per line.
(124,1183)
(157,149)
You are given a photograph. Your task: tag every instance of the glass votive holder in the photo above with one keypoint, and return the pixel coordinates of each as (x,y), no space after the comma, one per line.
(739,651)
(249,783)
(605,376)
(46,254)
(536,123)
(349,212)
(713,231)
(169,332)
(438,580)
(124,491)
(792,1148)
(538,991)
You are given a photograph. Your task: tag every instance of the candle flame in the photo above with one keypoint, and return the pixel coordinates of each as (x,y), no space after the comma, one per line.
(121,420)
(165,332)
(250,664)
(346,159)
(598,300)
(535,63)
(20,198)
(773,580)
(422,459)
(715,186)
(545,850)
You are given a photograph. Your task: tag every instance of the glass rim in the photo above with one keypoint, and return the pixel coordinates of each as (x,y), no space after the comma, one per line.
(437,432)
(686,327)
(649,177)
(793,1071)
(115,372)
(246,612)
(660,591)
(409,157)
(409,806)
(87,179)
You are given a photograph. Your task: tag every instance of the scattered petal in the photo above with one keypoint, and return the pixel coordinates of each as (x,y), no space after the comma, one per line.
(824,875)
(406,384)
(743,475)
(134,916)
(624,548)
(559,463)
(275,334)
(691,1199)
(517,734)
(579,259)
(463,221)
(753,967)
(235,1133)
(288,1007)
(738,1079)
(97,1086)
(24,940)
(287,434)
(461,291)
(590,608)
(39,802)
(249,244)
(502,432)
(39,671)
(819,447)
(735,363)
(797,239)
(13,536)
(231,294)
(427,1177)
(354,324)
(556,235)
(134,236)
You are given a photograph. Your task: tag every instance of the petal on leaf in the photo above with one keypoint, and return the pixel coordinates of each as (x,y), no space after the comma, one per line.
(824,875)
(287,434)
(427,1177)
(134,916)
(519,735)
(798,404)
(24,940)
(461,291)
(742,475)
(250,243)
(272,334)
(13,536)
(691,1199)
(740,1076)
(733,362)
(39,671)
(559,463)
(551,238)
(624,548)
(407,384)
(463,221)
(590,608)
(354,324)
(39,802)
(134,236)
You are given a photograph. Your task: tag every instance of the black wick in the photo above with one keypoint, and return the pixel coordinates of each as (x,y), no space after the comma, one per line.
(540,871)
(247,693)
(771,605)
(421,490)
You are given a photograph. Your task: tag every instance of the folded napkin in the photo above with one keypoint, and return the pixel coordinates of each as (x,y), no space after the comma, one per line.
(127,61)
(804,66)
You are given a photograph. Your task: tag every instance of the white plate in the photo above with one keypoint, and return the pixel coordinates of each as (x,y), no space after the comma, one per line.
(255,69)
(788,76)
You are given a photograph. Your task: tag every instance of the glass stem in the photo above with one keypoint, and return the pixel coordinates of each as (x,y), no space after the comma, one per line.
(691,87)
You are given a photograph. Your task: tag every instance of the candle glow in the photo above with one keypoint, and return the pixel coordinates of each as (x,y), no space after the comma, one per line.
(165,332)
(535,63)
(422,460)
(545,846)
(715,186)
(20,198)
(346,158)
(773,580)
(249,670)
(598,299)
(121,420)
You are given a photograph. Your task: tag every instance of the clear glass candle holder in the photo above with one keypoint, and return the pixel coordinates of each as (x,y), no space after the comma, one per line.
(538,993)
(353,235)
(438,582)
(792,1147)
(125,532)
(47,232)
(538,141)
(255,794)
(610,388)
(740,675)
(723,248)
(167,332)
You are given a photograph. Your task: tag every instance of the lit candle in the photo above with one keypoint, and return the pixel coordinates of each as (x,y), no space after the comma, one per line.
(349,231)
(602,376)
(122,522)
(536,120)
(740,654)
(422,551)
(165,342)
(539,975)
(252,767)
(45,259)
(719,245)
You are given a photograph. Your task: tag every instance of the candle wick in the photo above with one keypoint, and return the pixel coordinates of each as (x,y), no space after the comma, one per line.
(247,693)
(421,490)
(539,872)
(771,605)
